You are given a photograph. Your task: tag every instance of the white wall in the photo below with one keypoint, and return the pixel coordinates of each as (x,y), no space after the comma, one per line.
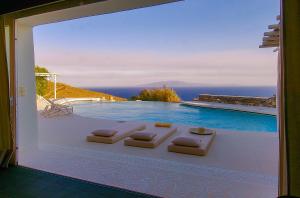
(27,134)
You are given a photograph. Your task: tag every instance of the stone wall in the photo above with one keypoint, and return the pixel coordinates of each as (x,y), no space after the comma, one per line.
(240,100)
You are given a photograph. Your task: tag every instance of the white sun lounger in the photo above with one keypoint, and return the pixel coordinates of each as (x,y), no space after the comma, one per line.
(122,130)
(161,134)
(204,140)
(53,110)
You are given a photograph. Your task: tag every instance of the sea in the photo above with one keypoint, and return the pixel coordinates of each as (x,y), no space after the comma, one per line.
(189,93)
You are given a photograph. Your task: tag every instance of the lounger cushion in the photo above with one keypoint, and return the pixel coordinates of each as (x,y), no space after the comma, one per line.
(186,141)
(145,136)
(104,132)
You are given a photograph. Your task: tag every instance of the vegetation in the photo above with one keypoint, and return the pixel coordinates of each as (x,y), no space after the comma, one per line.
(41,82)
(164,94)
(67,91)
(45,88)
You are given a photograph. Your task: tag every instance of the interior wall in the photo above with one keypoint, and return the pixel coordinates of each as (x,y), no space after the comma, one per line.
(7,45)
(26,92)
(291,92)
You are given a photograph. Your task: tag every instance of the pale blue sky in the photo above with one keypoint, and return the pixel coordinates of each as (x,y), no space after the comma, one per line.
(210,42)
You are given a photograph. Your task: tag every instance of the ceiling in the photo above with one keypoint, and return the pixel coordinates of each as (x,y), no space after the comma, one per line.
(15,5)
(91,9)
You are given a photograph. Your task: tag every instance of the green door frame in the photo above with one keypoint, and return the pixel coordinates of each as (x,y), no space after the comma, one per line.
(290,95)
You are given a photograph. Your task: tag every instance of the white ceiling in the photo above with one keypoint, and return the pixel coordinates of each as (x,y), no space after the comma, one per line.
(99,8)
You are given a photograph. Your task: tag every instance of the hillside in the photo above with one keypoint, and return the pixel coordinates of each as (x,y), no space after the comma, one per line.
(67,91)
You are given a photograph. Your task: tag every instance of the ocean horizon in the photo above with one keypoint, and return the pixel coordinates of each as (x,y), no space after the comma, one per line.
(189,93)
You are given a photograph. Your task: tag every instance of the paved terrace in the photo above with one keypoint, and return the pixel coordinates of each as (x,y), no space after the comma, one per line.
(239,164)
(78,100)
(234,107)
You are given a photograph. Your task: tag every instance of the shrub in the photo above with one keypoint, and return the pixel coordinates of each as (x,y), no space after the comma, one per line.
(160,94)
(41,81)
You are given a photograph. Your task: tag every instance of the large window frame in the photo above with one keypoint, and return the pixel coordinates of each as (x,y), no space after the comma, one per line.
(22,82)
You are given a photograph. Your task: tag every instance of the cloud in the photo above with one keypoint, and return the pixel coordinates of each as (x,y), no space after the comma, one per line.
(129,68)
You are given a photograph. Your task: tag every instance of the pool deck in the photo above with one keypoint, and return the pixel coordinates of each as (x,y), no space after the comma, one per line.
(234,107)
(239,164)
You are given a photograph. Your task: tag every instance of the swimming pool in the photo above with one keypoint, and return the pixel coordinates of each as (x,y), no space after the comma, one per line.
(179,114)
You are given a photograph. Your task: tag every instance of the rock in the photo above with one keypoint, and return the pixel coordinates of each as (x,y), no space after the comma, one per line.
(240,100)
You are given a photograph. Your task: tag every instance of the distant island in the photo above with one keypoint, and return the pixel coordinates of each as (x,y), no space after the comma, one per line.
(163,94)
(169,84)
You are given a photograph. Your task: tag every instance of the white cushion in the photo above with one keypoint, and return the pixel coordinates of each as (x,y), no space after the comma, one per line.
(187,141)
(145,136)
(104,132)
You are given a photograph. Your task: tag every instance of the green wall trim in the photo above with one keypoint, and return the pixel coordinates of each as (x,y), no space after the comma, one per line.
(5,127)
(291,68)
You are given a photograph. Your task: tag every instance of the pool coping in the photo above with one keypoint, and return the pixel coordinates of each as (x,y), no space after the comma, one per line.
(233,107)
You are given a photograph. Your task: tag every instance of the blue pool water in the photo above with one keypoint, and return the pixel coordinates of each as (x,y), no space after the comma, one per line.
(176,113)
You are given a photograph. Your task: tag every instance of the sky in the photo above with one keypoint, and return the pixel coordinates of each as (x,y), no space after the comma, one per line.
(205,42)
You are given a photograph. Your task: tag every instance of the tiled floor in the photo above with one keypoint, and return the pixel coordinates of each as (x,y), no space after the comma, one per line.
(24,182)
(236,107)
(237,165)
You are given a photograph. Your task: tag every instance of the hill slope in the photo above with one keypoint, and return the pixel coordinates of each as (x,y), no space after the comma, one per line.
(67,91)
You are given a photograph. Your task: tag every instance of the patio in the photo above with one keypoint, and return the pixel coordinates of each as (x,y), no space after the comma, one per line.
(239,164)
